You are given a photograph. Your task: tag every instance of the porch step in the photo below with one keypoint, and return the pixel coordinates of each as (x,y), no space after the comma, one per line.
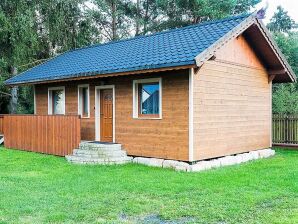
(99,153)
(107,161)
(1,139)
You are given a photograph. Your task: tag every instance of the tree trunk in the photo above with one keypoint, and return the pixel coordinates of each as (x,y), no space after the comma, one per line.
(138,18)
(114,34)
(146,20)
(13,104)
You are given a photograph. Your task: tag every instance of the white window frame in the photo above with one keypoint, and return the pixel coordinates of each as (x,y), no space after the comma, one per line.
(50,89)
(80,106)
(135,99)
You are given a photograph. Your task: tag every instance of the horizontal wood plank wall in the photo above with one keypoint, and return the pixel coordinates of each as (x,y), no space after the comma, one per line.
(1,123)
(231,103)
(165,138)
(56,135)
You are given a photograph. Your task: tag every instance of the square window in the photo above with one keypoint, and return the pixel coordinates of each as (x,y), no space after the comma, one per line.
(147,98)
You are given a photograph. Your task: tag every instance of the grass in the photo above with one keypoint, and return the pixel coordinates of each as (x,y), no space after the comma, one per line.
(37,188)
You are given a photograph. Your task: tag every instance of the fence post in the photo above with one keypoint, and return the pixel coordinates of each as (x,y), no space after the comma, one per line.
(286,129)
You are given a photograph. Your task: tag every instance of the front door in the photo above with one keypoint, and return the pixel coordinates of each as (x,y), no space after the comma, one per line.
(106,115)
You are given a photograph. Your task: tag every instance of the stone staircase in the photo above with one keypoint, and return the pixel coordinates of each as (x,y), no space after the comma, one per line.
(99,153)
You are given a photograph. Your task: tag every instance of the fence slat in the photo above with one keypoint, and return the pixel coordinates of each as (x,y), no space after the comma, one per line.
(45,134)
(284,129)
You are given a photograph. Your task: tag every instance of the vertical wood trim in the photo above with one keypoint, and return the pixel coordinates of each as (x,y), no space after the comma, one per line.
(134,99)
(270,110)
(1,124)
(34,99)
(97,111)
(114,115)
(190,108)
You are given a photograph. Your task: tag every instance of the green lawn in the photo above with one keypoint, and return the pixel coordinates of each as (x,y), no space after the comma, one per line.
(37,188)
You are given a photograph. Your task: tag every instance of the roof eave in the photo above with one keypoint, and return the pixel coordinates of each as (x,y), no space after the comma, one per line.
(276,50)
(176,66)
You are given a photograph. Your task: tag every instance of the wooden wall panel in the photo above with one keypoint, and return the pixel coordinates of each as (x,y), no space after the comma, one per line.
(231,103)
(1,124)
(238,51)
(165,138)
(56,135)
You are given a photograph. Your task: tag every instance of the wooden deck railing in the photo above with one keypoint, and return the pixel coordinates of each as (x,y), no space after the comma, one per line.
(56,135)
(1,123)
(285,129)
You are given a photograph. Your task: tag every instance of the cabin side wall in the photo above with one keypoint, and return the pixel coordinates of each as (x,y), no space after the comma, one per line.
(232,103)
(164,138)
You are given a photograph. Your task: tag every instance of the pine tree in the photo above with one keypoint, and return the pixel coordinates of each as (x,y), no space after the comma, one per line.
(281,21)
(111,18)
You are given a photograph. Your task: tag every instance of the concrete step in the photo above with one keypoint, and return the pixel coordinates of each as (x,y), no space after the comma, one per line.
(97,146)
(100,153)
(106,161)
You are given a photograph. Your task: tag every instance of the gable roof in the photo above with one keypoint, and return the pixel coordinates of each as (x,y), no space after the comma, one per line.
(191,45)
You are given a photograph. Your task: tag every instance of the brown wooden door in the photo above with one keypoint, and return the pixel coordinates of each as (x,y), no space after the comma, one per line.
(106,115)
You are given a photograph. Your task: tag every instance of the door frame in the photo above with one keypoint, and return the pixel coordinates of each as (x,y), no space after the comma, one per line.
(97,110)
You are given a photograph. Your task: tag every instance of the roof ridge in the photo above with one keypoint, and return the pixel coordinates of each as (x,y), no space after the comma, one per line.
(163,32)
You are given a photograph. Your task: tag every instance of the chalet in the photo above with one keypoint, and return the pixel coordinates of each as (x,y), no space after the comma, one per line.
(188,94)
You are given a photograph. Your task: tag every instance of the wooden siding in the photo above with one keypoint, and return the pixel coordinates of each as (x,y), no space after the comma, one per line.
(231,103)
(1,123)
(56,135)
(161,138)
(240,53)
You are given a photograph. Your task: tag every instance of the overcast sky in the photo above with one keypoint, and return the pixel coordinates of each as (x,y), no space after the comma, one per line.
(289,5)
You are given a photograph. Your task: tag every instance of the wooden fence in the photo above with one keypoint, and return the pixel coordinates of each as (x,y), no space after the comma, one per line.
(285,129)
(1,123)
(56,135)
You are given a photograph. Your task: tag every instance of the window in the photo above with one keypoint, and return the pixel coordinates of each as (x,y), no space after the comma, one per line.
(56,100)
(83,101)
(147,98)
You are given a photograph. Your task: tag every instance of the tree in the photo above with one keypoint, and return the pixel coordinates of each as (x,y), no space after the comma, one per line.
(111,18)
(18,41)
(178,13)
(281,21)
(242,6)
(285,96)
(33,30)
(145,14)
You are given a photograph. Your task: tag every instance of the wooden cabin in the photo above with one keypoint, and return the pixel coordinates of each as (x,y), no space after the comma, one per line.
(187,94)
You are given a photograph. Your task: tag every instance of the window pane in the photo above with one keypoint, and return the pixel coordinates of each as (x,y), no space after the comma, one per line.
(58,107)
(85,101)
(149,98)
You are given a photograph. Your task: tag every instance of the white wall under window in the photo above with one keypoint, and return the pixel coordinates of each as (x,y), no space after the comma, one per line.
(84,101)
(56,100)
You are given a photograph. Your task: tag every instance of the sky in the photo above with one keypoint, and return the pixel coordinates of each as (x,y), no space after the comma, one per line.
(289,5)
